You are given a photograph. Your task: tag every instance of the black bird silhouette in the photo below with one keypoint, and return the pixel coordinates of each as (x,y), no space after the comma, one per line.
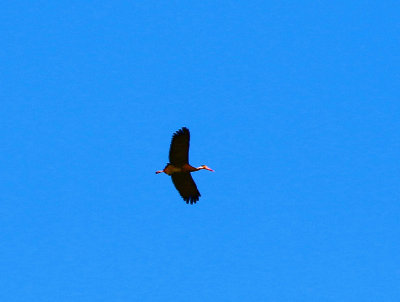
(179,168)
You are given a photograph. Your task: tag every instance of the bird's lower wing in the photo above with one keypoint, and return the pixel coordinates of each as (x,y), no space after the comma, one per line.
(186,187)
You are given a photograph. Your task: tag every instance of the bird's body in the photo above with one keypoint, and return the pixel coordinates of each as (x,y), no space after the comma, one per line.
(179,168)
(171,169)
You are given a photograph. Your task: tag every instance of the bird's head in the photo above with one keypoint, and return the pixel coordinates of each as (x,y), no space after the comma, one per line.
(206,168)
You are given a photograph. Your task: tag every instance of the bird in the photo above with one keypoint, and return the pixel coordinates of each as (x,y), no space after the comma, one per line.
(179,168)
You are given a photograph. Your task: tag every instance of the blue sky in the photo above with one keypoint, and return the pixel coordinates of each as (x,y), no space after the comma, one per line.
(295,105)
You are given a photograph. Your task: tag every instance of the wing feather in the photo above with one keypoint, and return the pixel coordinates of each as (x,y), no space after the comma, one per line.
(179,149)
(186,186)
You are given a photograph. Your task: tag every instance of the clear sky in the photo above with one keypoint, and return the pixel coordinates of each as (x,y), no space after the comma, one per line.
(296,106)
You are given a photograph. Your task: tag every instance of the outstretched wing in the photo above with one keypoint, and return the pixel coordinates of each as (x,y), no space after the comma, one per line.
(186,186)
(179,149)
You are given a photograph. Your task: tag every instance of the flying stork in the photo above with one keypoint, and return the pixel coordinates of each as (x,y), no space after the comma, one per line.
(179,168)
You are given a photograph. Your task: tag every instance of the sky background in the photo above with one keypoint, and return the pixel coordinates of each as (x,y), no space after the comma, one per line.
(296,106)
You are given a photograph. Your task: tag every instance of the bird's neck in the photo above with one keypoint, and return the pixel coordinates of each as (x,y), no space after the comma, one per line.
(190,168)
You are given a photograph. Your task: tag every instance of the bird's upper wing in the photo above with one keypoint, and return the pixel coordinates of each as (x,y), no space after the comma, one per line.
(186,186)
(179,149)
